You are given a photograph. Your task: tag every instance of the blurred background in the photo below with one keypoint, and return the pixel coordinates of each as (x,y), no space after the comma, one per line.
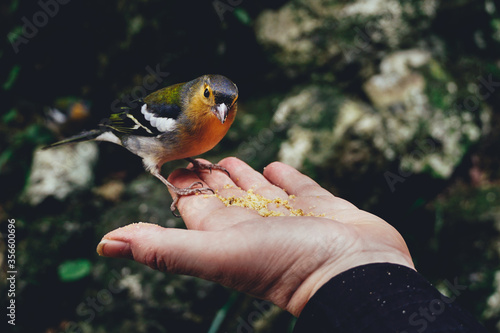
(393,105)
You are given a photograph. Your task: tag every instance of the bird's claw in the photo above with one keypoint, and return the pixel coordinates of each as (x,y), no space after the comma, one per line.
(207,166)
(191,189)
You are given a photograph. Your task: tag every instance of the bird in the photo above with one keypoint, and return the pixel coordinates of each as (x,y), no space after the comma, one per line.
(176,122)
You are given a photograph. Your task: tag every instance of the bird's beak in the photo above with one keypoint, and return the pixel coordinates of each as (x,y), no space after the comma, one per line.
(220,111)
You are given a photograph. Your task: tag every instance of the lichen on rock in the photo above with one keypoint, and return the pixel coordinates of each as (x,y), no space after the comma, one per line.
(60,171)
(400,123)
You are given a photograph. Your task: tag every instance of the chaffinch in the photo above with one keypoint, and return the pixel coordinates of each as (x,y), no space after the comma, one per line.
(176,122)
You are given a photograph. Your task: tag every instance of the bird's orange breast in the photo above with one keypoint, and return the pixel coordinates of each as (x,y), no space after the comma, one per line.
(207,133)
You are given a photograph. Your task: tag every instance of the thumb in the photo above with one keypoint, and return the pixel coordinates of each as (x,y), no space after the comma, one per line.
(172,250)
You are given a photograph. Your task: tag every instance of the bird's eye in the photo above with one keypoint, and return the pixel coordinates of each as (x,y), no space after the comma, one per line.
(206,93)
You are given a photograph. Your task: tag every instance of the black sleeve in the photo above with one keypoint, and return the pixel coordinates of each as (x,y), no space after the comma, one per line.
(384,297)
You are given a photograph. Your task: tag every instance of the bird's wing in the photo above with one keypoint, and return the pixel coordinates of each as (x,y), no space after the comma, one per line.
(144,119)
(154,115)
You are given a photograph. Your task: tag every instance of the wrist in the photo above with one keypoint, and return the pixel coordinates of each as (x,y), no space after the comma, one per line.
(392,253)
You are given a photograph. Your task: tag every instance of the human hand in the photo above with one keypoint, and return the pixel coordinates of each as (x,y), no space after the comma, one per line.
(283,259)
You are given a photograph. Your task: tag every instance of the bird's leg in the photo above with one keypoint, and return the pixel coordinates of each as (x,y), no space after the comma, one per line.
(181,191)
(206,166)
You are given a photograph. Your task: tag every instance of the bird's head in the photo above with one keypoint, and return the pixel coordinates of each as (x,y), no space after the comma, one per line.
(217,94)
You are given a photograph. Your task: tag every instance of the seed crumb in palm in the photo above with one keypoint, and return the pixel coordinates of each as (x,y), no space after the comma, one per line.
(260,204)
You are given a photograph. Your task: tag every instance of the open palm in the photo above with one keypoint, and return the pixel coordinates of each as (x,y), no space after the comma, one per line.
(284,259)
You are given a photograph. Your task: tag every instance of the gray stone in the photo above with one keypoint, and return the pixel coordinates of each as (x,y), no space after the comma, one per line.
(60,171)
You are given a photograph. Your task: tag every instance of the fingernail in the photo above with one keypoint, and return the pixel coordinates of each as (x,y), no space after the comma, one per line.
(114,248)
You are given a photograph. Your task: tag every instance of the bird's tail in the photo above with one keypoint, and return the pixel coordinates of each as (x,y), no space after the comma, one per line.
(84,136)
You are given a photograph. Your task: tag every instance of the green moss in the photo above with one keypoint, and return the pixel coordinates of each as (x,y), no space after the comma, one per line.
(438,72)
(436,98)
(495,24)
(494,70)
(14,5)
(436,79)
(9,116)
(469,204)
(14,72)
